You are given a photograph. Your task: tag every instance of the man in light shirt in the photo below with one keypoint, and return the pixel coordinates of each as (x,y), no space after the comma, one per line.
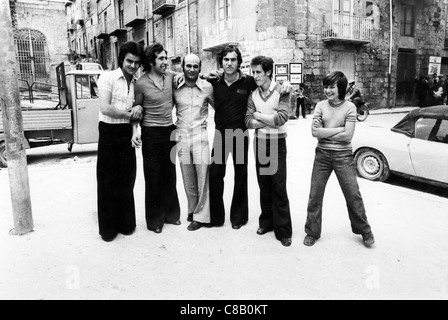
(116,167)
(192,98)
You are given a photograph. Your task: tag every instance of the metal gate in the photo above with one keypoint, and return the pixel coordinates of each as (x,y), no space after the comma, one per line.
(31,52)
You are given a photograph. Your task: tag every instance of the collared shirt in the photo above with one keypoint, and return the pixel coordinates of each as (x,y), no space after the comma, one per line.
(231,101)
(122,97)
(273,104)
(192,104)
(157,101)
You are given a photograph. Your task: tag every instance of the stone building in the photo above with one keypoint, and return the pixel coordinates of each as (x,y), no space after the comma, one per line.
(384,45)
(40,46)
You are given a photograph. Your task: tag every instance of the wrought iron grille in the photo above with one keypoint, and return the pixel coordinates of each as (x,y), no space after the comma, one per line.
(32,57)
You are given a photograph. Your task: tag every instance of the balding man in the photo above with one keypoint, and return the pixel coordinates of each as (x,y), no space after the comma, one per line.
(192,98)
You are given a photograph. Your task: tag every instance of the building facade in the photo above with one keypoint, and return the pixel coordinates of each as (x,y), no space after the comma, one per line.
(40,46)
(384,45)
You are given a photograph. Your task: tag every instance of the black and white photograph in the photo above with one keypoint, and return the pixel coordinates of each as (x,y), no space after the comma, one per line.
(224,158)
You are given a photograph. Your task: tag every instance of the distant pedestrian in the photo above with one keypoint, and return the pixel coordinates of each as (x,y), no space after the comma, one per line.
(300,95)
(154,91)
(434,97)
(192,98)
(422,89)
(116,167)
(334,125)
(268,112)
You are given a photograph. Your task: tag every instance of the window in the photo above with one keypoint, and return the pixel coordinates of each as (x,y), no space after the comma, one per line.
(170,36)
(343,6)
(435,130)
(224,13)
(407,20)
(86,87)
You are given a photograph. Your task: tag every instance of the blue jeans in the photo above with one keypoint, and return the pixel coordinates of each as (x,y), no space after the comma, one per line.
(342,163)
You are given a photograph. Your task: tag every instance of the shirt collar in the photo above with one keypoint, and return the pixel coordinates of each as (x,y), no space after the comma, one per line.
(199,83)
(271,87)
(118,74)
(241,73)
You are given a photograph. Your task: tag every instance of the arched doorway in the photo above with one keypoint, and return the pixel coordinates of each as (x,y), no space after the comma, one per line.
(32,55)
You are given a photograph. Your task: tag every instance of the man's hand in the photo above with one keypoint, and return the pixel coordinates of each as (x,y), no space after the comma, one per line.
(178,79)
(317,123)
(136,139)
(136,113)
(257,116)
(286,88)
(214,75)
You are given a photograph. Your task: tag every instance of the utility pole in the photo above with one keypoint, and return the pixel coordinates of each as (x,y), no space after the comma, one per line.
(13,127)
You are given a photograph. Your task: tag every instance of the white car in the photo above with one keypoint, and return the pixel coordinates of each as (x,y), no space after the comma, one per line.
(416,147)
(89,66)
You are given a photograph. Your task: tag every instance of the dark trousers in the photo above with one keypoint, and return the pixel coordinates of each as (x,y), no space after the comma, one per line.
(116,174)
(270,156)
(301,105)
(159,165)
(342,163)
(236,143)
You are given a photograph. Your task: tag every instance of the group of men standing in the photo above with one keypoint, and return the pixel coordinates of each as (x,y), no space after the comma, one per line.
(138,113)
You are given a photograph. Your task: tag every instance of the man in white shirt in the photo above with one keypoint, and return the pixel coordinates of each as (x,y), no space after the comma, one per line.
(116,167)
(192,98)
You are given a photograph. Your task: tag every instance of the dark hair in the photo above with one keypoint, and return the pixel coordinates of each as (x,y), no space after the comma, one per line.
(227,50)
(265,62)
(131,47)
(151,53)
(338,78)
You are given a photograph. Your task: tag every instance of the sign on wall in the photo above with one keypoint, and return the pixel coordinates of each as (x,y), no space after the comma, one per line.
(435,65)
(291,72)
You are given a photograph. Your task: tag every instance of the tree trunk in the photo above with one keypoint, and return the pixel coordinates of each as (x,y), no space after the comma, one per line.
(13,127)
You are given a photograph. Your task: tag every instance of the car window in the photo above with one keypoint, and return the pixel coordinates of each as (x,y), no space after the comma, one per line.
(432,130)
(86,87)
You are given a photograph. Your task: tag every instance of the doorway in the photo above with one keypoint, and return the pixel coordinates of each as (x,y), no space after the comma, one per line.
(407,60)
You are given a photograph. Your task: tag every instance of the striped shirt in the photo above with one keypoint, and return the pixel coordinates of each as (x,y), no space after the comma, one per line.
(122,98)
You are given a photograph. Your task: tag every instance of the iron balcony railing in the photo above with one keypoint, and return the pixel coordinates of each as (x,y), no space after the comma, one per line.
(347,27)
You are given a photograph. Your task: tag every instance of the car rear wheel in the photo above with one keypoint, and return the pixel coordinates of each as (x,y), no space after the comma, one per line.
(372,165)
(3,159)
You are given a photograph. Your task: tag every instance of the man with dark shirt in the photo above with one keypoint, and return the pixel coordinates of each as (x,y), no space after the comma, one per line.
(231,95)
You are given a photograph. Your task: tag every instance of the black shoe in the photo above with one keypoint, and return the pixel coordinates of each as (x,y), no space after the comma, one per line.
(237,226)
(157,230)
(128,233)
(176,223)
(286,242)
(108,239)
(368,239)
(309,241)
(261,231)
(195,226)
(190,217)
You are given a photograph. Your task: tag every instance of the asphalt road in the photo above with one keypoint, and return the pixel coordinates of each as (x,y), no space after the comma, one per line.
(64,258)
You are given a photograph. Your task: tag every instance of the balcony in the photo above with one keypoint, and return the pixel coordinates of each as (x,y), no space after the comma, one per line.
(218,35)
(163,7)
(134,15)
(344,28)
(101,31)
(117,27)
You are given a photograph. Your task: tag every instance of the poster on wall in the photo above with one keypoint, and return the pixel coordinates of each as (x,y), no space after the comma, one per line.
(295,68)
(281,69)
(435,65)
(295,79)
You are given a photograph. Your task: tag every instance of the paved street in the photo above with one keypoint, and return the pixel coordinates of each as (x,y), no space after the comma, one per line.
(65,258)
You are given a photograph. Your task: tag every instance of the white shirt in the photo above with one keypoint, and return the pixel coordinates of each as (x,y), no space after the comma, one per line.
(122,98)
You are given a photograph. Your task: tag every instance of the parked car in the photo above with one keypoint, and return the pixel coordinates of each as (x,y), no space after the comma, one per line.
(416,147)
(88,66)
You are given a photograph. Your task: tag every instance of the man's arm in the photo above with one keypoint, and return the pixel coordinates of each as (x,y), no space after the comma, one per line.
(250,121)
(281,117)
(108,110)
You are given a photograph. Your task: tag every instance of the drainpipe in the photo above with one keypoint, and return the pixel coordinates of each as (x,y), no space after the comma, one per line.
(391,41)
(188,27)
